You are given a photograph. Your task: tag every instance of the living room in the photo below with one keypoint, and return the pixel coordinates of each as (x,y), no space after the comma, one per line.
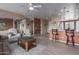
(39,29)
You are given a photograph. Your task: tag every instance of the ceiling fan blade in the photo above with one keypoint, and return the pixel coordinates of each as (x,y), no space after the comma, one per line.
(37,6)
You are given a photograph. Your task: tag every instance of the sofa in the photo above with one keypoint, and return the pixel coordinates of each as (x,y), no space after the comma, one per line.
(11,34)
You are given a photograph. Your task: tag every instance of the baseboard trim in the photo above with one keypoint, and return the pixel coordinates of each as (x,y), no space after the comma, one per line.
(69,43)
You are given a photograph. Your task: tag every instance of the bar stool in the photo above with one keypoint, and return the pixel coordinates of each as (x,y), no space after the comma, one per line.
(55,34)
(70,34)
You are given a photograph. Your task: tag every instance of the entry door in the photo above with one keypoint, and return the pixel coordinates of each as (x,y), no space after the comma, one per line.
(37,26)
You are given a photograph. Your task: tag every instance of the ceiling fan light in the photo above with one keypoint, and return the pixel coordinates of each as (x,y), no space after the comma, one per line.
(31,8)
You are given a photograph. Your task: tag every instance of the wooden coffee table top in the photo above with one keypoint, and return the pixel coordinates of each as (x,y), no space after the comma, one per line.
(27,43)
(28,39)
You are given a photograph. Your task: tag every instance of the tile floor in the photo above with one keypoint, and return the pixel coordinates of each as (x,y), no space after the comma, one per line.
(46,47)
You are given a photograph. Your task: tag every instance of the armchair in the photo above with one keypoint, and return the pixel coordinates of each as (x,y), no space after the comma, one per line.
(13,35)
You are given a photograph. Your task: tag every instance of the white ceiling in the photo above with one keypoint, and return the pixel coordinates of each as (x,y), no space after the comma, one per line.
(47,9)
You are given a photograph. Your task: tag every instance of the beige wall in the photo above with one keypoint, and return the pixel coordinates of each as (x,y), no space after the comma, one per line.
(7,14)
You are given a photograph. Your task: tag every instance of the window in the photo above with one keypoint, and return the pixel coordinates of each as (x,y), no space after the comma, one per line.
(77,26)
(60,26)
(69,25)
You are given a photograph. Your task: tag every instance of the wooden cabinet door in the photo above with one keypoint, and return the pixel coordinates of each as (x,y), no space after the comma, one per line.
(37,26)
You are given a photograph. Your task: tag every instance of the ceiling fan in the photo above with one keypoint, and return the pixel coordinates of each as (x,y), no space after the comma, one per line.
(32,6)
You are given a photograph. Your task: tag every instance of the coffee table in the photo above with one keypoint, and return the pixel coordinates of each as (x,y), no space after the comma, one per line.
(27,43)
